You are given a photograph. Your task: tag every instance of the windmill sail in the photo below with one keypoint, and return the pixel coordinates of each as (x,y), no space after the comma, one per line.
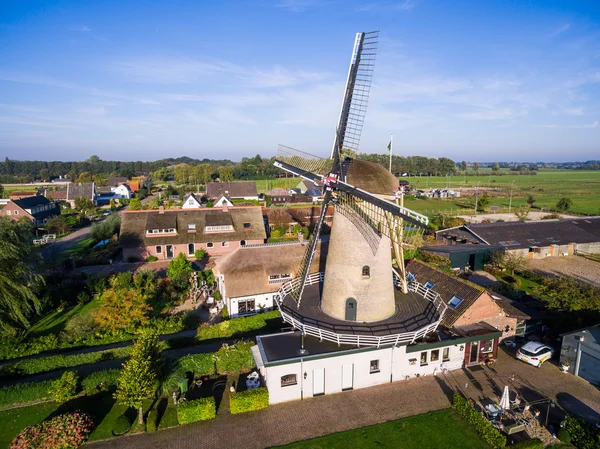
(356,95)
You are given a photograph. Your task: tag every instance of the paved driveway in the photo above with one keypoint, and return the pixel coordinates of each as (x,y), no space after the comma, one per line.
(285,423)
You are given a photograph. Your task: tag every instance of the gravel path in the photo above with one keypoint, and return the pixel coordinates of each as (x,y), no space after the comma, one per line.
(574,266)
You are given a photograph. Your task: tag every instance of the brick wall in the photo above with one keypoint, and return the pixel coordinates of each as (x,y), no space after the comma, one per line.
(10,208)
(485,309)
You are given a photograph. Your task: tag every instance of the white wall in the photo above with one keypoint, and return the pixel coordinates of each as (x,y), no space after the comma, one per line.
(409,364)
(265,300)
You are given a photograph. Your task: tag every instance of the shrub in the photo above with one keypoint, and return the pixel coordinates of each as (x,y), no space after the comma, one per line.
(100,381)
(489,433)
(24,393)
(80,327)
(232,358)
(64,431)
(249,400)
(582,435)
(64,388)
(238,327)
(564,435)
(121,425)
(200,254)
(198,364)
(151,259)
(151,421)
(534,443)
(196,410)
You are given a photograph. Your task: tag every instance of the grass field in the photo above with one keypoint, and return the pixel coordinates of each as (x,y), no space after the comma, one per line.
(55,322)
(444,429)
(102,407)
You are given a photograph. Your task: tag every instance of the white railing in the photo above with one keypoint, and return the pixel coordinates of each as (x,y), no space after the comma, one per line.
(361,340)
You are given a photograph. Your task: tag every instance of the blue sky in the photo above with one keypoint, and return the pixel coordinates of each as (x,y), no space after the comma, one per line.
(142,80)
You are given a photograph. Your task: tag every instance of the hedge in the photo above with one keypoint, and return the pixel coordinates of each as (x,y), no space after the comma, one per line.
(24,393)
(238,327)
(29,367)
(98,381)
(489,433)
(534,443)
(196,410)
(583,436)
(249,400)
(199,364)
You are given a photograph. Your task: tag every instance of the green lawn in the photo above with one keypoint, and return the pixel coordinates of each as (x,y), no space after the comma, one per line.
(56,321)
(102,407)
(444,429)
(78,248)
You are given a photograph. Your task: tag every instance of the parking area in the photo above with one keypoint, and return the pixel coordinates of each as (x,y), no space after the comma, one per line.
(574,266)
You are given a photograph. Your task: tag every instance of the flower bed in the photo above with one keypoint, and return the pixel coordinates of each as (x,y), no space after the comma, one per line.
(64,431)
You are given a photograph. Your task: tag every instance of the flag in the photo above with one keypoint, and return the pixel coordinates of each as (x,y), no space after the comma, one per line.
(390,146)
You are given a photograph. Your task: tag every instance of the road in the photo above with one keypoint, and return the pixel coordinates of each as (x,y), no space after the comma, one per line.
(58,246)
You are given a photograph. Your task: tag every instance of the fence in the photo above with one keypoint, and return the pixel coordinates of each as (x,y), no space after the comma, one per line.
(361,340)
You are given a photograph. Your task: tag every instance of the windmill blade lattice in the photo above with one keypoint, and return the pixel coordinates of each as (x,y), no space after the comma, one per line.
(304,161)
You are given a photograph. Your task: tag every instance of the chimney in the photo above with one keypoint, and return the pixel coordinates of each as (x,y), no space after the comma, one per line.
(225,206)
(161,209)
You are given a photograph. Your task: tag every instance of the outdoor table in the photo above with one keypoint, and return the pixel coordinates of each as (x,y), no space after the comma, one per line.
(493,409)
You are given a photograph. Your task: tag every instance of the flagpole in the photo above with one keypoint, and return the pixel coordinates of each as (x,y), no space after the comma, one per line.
(391,139)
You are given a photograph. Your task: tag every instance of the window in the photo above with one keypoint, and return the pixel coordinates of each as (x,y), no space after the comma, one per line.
(446,355)
(191,201)
(191,227)
(161,231)
(487,346)
(224,244)
(411,276)
(454,302)
(423,358)
(247,226)
(246,305)
(243,242)
(366,271)
(435,355)
(191,249)
(278,278)
(288,379)
(219,228)
(374,366)
(16,212)
(8,212)
(429,285)
(210,245)
(158,250)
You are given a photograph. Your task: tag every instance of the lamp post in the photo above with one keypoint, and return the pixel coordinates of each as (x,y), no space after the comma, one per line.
(550,404)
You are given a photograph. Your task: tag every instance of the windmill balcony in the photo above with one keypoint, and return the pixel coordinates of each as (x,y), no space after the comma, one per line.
(417,314)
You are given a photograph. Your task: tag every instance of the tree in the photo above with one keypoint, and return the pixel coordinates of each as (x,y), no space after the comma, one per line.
(522,213)
(225,173)
(106,229)
(564,204)
(495,167)
(483,202)
(139,376)
(179,266)
(511,261)
(44,174)
(463,166)
(567,294)
(100,180)
(84,205)
(475,166)
(18,283)
(123,309)
(58,225)
(64,388)
(1,191)
(530,200)
(279,219)
(85,177)
(135,204)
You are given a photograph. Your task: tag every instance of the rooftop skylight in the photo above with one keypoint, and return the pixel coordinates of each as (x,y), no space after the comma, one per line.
(455,302)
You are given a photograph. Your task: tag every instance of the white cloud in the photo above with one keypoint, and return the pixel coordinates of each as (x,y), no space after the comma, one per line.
(406,5)
(594,124)
(560,30)
(82,28)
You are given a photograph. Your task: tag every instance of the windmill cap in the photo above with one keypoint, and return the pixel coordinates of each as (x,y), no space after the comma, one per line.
(372,177)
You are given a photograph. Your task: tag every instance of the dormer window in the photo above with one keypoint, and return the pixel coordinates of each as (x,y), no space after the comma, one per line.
(219,228)
(366,272)
(161,231)
(191,227)
(247,226)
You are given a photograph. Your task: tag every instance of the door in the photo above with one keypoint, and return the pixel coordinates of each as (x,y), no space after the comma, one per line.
(318,382)
(589,368)
(474,355)
(169,251)
(351,309)
(347,377)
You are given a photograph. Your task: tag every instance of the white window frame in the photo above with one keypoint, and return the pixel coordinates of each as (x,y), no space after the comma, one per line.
(8,212)
(374,367)
(191,227)
(424,362)
(431,355)
(293,380)
(210,245)
(218,228)
(446,354)
(245,301)
(483,346)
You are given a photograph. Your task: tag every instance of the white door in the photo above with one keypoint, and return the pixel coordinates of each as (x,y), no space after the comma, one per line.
(347,377)
(318,382)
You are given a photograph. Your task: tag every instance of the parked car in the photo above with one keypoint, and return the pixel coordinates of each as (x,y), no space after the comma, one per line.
(535,353)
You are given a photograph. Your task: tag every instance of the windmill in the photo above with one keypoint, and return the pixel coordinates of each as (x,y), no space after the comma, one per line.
(359,275)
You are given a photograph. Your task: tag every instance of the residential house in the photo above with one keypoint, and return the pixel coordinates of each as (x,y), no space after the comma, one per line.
(305,185)
(38,209)
(249,277)
(21,195)
(122,191)
(79,190)
(533,239)
(116,182)
(166,233)
(223,201)
(56,195)
(245,190)
(191,201)
(580,350)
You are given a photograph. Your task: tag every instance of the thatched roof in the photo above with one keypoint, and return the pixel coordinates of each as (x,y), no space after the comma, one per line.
(134,225)
(246,271)
(372,177)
